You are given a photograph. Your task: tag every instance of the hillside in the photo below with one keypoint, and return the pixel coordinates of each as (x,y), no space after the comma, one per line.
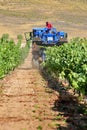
(22,15)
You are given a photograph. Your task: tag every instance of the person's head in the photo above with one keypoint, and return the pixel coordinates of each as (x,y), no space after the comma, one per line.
(46,23)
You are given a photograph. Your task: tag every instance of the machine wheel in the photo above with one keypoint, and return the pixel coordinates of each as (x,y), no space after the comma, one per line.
(66,35)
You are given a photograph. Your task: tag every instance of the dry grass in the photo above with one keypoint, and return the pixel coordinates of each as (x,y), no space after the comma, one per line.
(53,9)
(19,16)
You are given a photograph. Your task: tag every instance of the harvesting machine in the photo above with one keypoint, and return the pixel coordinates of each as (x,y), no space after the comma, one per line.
(43,36)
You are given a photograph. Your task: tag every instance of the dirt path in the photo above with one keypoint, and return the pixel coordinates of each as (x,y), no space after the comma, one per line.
(24,103)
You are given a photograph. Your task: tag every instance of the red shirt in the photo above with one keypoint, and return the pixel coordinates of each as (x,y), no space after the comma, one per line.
(49,25)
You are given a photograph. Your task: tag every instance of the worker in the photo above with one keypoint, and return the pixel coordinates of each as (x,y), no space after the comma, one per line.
(48,25)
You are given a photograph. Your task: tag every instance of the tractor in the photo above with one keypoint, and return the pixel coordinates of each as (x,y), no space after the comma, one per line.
(44,36)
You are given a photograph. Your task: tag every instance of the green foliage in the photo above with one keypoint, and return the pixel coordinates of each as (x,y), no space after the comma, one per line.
(20,38)
(70,61)
(39,127)
(11,55)
(24,51)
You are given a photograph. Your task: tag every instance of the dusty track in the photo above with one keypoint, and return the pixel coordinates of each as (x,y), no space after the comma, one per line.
(24,103)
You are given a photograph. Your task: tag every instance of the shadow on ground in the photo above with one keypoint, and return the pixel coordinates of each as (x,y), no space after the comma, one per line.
(68,106)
